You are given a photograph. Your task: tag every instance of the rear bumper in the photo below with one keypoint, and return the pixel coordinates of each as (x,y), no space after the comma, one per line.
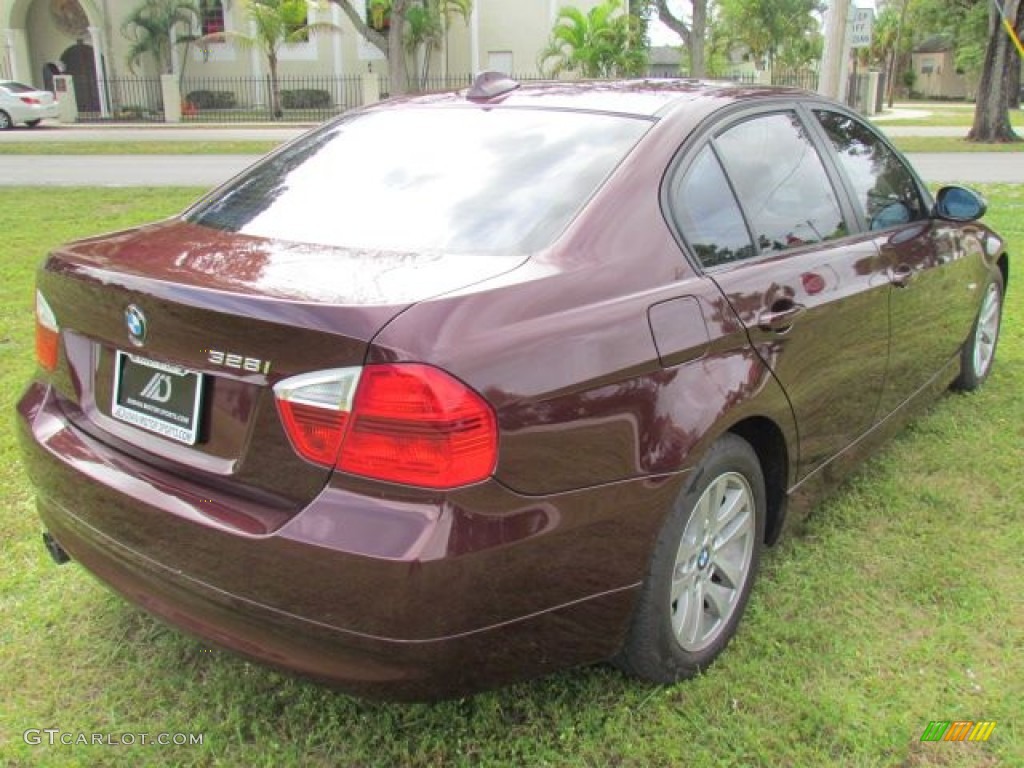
(389,597)
(36,112)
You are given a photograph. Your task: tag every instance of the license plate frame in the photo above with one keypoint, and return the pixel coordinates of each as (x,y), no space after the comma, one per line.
(158,397)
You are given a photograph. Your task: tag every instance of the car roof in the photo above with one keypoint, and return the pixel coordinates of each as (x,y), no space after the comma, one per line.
(649,98)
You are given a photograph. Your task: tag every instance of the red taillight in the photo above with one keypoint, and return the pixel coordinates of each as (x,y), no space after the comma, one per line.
(47,334)
(405,423)
(314,408)
(30,100)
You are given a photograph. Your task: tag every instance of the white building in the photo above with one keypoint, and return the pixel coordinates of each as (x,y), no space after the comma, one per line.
(39,38)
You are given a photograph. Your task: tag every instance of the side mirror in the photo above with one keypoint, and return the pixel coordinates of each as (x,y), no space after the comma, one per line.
(959,204)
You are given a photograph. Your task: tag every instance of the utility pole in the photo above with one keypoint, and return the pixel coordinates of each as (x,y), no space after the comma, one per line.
(832,76)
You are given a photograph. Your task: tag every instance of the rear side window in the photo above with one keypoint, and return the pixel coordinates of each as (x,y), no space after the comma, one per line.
(707,214)
(423,179)
(781,183)
(14,87)
(884,187)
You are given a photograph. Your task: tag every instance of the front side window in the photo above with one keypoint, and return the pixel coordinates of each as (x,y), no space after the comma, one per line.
(707,214)
(884,187)
(781,182)
(458,180)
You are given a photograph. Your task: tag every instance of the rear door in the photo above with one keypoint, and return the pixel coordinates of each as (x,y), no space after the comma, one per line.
(760,213)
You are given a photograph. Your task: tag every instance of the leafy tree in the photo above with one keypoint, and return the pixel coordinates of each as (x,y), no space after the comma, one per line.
(390,32)
(891,44)
(275,23)
(150,27)
(427,27)
(991,111)
(771,27)
(604,42)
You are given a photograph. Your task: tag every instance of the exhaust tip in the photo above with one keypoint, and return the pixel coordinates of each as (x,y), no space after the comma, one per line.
(57,552)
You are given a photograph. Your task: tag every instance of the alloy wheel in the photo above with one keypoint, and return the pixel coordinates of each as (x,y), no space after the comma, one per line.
(713,561)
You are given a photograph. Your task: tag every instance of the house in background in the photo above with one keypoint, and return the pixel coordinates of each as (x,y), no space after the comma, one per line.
(935,72)
(665,60)
(84,39)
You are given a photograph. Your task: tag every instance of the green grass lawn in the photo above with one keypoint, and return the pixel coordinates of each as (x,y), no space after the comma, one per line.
(215,147)
(899,602)
(943,113)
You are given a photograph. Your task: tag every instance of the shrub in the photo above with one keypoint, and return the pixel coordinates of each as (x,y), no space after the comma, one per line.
(305,98)
(212,99)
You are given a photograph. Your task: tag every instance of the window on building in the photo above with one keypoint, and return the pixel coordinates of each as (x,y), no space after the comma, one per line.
(212,16)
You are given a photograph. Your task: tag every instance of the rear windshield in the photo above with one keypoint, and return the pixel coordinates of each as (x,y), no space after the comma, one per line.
(14,87)
(420,179)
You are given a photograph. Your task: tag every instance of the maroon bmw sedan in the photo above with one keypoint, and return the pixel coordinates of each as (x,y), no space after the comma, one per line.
(466,388)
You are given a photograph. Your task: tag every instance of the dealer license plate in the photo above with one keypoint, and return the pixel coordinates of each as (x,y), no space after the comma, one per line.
(158,397)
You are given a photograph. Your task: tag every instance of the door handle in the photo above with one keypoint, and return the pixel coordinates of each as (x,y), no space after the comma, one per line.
(780,319)
(901,276)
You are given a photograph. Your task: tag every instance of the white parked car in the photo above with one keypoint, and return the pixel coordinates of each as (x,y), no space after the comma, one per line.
(24,104)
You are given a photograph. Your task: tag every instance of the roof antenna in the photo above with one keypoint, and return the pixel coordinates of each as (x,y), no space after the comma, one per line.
(488,85)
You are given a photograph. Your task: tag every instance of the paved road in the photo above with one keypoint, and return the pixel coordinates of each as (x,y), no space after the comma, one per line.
(969,167)
(209,170)
(120,170)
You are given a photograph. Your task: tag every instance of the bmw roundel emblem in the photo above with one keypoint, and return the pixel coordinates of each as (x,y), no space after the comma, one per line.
(135,320)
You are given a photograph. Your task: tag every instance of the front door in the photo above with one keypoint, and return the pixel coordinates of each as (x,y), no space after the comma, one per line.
(936,287)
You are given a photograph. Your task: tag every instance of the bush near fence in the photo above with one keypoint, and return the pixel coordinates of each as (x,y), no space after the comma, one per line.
(306,98)
(203,99)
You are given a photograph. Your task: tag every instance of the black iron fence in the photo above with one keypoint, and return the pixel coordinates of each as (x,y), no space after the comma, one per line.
(312,98)
(803,78)
(121,99)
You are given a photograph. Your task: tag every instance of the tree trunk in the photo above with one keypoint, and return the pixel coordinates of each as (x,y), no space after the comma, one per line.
(368,33)
(396,52)
(275,88)
(698,29)
(676,25)
(991,112)
(1013,100)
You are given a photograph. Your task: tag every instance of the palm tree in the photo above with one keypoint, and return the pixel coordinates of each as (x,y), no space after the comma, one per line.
(149,29)
(274,23)
(605,42)
(426,29)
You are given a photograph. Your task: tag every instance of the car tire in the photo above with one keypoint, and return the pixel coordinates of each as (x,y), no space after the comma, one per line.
(979,351)
(5,121)
(702,569)
(32,123)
